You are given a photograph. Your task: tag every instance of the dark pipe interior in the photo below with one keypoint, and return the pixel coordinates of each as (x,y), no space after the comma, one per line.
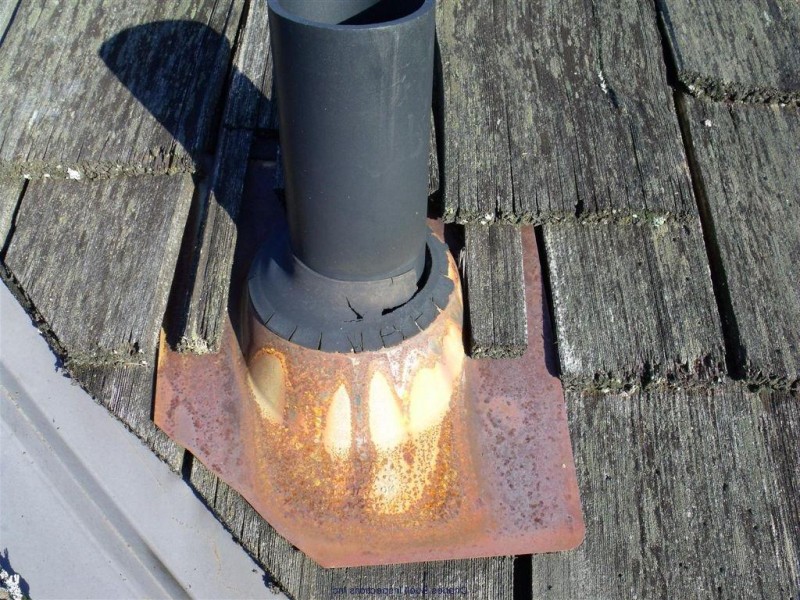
(352,12)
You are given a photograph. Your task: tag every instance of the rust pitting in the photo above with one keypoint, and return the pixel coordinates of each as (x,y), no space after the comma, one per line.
(410,453)
(363,435)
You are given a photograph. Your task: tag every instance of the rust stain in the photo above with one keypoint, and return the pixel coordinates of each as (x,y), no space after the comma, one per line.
(410,453)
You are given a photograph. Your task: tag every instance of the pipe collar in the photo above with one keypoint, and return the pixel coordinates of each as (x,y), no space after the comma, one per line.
(314,311)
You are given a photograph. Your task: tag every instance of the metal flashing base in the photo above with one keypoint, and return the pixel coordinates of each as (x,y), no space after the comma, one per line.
(405,454)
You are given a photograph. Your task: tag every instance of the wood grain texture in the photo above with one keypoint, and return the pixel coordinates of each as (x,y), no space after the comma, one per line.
(251,98)
(747,166)
(434,174)
(96,89)
(633,305)
(685,496)
(10,194)
(731,50)
(7,10)
(97,260)
(206,276)
(301,578)
(495,291)
(126,390)
(554,109)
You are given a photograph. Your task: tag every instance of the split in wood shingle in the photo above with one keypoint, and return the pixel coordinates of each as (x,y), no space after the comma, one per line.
(251,97)
(746,160)
(204,277)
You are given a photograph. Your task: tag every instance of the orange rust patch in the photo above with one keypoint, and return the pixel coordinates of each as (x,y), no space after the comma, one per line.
(404,454)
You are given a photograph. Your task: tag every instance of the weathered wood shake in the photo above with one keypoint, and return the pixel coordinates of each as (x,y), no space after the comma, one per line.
(495,289)
(729,50)
(89,98)
(554,109)
(656,145)
(747,168)
(10,193)
(633,305)
(101,275)
(76,102)
(685,496)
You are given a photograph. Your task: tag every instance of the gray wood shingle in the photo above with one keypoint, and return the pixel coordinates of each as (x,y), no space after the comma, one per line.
(554,109)
(495,291)
(685,496)
(732,50)
(633,305)
(7,10)
(746,163)
(205,275)
(96,261)
(101,88)
(10,193)
(251,97)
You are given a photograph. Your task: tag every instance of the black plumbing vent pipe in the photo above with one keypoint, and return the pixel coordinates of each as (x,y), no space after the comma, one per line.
(354,80)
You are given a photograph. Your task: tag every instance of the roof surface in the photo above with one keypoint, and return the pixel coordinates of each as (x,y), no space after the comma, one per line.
(655,147)
(74,478)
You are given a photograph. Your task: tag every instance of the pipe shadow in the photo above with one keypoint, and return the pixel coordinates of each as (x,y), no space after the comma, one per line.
(436,200)
(181,72)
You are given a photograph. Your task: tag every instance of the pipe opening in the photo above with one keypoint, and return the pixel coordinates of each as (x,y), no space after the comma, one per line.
(351,12)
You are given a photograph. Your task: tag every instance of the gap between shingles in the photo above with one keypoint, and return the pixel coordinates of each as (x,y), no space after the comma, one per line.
(523,577)
(13,225)
(10,22)
(734,351)
(552,358)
